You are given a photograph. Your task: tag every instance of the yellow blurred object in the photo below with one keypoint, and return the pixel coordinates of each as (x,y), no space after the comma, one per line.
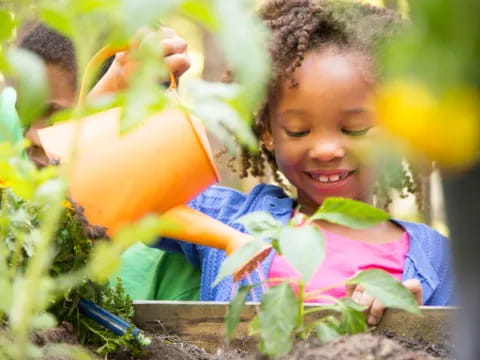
(445,129)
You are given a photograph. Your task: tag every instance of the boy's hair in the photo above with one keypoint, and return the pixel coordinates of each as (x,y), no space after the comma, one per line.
(52,47)
(298,26)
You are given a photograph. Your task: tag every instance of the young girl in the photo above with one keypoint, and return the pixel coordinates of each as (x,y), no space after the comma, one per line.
(317,112)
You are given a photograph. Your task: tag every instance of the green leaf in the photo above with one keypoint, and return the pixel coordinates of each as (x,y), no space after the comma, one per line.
(232,317)
(238,258)
(327,329)
(43,321)
(7,24)
(304,248)
(254,326)
(6,298)
(140,13)
(278,318)
(251,71)
(260,224)
(10,127)
(32,85)
(353,318)
(350,213)
(218,106)
(386,289)
(201,12)
(57,19)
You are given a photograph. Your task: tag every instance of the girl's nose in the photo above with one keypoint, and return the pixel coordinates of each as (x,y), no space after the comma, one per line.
(327,149)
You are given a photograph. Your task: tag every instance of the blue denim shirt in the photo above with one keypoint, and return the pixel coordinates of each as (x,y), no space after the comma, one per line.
(428,257)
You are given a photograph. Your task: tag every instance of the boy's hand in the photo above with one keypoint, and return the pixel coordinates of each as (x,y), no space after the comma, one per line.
(123,66)
(375,308)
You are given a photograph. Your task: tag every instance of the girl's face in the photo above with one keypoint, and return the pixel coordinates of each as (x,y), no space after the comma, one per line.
(316,126)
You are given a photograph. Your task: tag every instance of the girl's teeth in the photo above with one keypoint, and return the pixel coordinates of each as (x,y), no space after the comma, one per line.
(329,179)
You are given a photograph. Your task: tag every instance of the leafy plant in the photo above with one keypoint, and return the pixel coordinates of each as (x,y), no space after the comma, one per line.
(48,258)
(281,316)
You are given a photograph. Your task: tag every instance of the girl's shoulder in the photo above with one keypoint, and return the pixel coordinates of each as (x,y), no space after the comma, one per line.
(421,232)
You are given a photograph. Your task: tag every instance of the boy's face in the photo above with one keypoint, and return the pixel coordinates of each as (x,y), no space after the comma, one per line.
(316,126)
(62,95)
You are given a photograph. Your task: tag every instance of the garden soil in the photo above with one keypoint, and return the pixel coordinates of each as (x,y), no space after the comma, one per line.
(356,347)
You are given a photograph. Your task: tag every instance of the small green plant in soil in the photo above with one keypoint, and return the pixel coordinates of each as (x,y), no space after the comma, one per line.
(281,315)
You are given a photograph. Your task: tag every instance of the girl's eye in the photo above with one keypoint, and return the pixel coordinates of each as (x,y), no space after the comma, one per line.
(356,132)
(297,133)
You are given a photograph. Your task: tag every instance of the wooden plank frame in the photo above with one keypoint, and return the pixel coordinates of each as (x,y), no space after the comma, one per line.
(202,323)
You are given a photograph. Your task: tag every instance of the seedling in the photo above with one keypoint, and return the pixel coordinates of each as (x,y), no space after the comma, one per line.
(281,315)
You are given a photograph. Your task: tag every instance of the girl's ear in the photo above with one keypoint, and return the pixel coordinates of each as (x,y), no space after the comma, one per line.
(268,140)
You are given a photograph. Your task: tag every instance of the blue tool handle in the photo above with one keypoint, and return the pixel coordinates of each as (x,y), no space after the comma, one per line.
(113,323)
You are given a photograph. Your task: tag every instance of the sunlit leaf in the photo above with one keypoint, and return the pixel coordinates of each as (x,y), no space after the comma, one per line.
(353,320)
(386,289)
(278,317)
(7,24)
(251,71)
(57,19)
(238,258)
(260,224)
(328,329)
(43,321)
(304,248)
(32,86)
(139,13)
(201,12)
(350,213)
(232,317)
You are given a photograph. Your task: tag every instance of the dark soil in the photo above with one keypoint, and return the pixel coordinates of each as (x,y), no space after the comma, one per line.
(362,346)
(170,348)
(443,351)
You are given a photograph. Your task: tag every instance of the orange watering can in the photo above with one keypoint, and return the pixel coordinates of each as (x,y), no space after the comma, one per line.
(155,168)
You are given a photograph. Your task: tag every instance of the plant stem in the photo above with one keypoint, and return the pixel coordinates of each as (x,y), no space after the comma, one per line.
(24,304)
(301,308)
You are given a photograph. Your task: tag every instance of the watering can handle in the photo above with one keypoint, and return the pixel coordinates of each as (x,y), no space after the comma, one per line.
(96,61)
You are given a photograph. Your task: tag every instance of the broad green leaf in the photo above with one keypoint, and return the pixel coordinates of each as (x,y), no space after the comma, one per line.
(57,19)
(43,321)
(239,257)
(260,224)
(10,127)
(254,326)
(145,230)
(217,105)
(353,319)
(7,24)
(32,85)
(350,213)
(232,317)
(144,97)
(278,317)
(251,71)
(140,13)
(386,289)
(327,329)
(104,262)
(6,298)
(304,248)
(201,12)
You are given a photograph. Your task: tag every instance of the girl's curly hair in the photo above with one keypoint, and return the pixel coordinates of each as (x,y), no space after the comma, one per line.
(299,26)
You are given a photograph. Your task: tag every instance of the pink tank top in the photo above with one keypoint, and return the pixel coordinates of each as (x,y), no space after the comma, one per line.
(344,257)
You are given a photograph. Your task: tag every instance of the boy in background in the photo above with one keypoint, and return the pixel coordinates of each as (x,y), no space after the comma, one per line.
(159,275)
